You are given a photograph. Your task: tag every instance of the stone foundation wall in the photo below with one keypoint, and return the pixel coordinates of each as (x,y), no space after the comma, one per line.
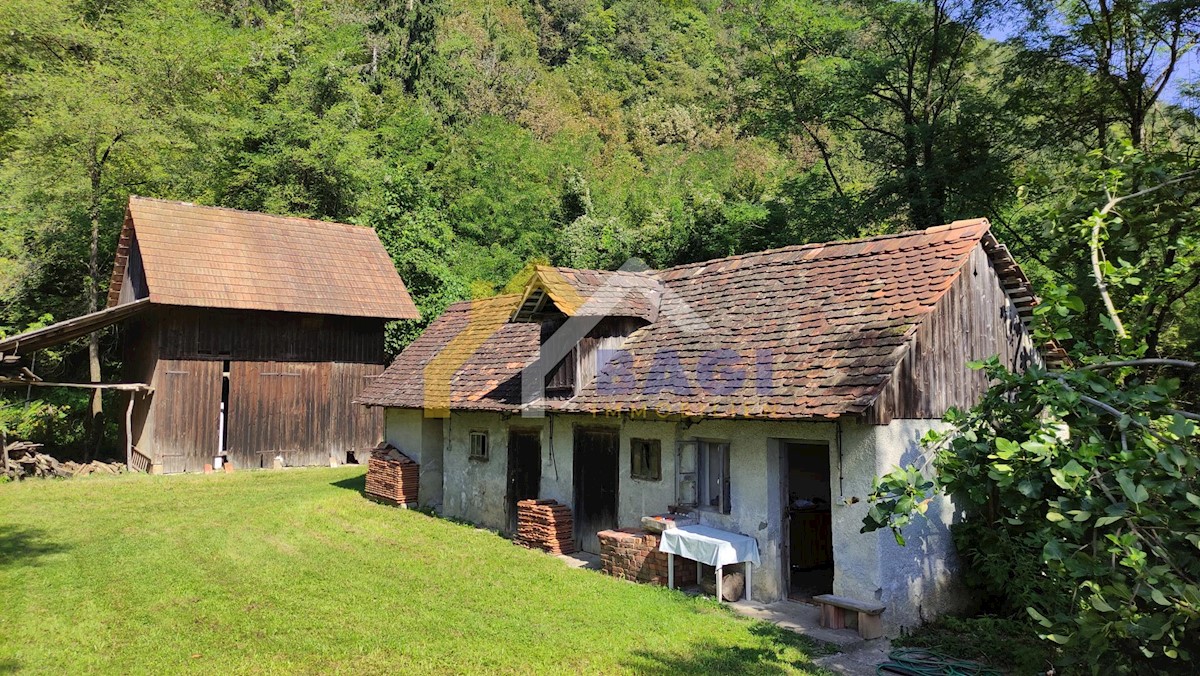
(632,554)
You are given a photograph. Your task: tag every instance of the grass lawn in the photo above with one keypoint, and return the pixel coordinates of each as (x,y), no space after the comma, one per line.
(296,572)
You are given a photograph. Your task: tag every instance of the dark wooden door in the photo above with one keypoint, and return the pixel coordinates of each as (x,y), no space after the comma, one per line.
(187,414)
(595,470)
(524,470)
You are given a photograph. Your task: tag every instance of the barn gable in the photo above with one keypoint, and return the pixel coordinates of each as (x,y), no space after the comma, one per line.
(182,254)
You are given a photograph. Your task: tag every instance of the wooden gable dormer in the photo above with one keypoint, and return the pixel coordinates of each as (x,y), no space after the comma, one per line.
(584,315)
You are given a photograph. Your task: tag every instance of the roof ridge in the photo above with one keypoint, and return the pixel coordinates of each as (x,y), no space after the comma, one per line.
(649,272)
(314,221)
(954,225)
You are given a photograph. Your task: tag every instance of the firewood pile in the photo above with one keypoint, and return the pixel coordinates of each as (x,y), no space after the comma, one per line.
(392,477)
(545,525)
(25,461)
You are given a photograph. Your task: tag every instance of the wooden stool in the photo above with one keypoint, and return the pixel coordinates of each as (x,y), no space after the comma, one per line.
(833,614)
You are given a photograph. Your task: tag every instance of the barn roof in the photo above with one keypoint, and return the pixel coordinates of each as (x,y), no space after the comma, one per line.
(816,330)
(214,257)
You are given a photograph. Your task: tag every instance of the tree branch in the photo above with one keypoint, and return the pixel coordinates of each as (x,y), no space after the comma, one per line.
(1095,246)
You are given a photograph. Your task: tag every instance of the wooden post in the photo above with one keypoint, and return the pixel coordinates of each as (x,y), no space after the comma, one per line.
(129,433)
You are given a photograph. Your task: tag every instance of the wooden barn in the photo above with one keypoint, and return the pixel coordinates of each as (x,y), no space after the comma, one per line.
(250,333)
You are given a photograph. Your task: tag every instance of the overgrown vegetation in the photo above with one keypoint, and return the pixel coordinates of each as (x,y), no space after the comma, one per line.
(995,641)
(270,572)
(1081,485)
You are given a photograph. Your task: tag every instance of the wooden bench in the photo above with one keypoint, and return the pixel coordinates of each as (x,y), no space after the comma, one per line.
(833,614)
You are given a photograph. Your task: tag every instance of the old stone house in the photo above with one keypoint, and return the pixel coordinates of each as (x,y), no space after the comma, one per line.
(763,390)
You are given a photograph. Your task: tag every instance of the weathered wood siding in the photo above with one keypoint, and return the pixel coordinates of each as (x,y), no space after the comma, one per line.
(352,428)
(975,319)
(292,382)
(186,410)
(581,366)
(304,410)
(192,333)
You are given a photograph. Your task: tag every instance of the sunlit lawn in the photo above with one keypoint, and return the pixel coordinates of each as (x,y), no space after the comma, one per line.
(295,571)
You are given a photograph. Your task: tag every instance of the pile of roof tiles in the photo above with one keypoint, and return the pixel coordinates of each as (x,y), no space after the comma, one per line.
(392,477)
(632,554)
(545,525)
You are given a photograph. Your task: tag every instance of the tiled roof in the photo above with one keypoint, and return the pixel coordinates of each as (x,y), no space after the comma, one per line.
(224,258)
(808,331)
(600,293)
(471,358)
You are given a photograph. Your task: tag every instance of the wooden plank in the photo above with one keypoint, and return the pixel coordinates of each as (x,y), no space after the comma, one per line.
(857,606)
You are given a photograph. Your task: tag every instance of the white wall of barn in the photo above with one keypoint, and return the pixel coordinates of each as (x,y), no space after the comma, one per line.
(916,582)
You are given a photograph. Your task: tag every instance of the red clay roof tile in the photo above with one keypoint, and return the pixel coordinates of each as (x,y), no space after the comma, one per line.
(214,257)
(819,329)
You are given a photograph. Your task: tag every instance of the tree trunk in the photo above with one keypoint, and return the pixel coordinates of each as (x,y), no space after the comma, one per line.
(96,419)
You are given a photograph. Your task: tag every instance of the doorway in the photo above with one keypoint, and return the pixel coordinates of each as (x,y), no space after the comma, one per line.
(595,480)
(807,519)
(524,470)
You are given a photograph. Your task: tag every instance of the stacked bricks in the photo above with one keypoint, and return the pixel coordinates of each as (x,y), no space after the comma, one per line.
(632,554)
(545,525)
(392,477)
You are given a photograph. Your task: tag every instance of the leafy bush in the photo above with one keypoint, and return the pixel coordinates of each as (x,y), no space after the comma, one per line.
(1081,486)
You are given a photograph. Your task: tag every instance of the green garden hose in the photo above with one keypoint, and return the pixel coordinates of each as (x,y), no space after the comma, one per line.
(919,662)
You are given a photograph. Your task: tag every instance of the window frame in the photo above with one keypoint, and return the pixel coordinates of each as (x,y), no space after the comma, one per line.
(486,453)
(722,502)
(653,449)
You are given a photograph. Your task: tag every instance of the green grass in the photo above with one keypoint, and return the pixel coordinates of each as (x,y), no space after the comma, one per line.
(269,572)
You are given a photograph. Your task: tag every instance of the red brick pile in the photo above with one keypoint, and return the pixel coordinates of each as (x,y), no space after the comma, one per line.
(545,525)
(632,554)
(392,477)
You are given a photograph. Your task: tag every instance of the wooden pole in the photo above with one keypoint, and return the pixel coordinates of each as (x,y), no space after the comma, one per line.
(129,432)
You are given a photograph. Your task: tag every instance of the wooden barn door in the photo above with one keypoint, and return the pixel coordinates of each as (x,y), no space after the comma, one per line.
(595,478)
(278,408)
(187,413)
(353,428)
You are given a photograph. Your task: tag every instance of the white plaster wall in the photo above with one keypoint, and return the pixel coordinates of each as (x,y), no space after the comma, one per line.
(420,439)
(755,490)
(920,580)
(638,497)
(475,490)
(916,582)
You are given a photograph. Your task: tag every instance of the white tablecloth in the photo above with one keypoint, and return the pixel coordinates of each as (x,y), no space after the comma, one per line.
(709,545)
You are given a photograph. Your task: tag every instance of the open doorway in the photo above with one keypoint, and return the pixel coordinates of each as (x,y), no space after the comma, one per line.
(807,519)
(524,470)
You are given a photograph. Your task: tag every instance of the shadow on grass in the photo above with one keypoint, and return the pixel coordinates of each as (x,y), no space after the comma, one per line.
(778,651)
(8,666)
(21,545)
(354,483)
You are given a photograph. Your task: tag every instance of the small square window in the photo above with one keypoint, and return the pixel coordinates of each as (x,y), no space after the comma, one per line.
(479,445)
(645,459)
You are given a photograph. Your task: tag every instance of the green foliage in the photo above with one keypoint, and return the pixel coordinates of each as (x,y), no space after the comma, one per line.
(1081,486)
(995,641)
